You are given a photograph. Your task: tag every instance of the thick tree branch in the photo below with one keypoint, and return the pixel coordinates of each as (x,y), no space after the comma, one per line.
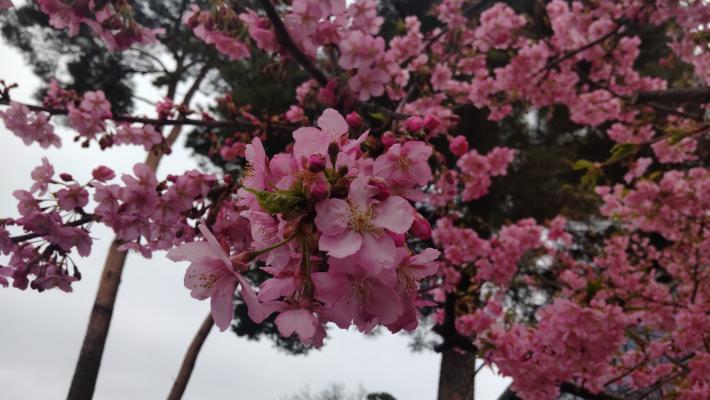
(696,95)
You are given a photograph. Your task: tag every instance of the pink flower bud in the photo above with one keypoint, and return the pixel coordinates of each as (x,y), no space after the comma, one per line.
(431,122)
(380,186)
(319,190)
(316,163)
(354,120)
(103,174)
(66,177)
(458,145)
(398,238)
(414,124)
(421,227)
(228,153)
(388,139)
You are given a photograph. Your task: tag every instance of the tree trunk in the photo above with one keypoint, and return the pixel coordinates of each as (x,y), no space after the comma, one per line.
(87,367)
(188,362)
(86,371)
(456,375)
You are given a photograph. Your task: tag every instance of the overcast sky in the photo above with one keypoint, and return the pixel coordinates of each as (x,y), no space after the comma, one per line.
(155,318)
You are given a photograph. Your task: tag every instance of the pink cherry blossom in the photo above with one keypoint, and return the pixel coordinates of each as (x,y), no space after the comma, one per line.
(211,274)
(356,226)
(405,163)
(353,293)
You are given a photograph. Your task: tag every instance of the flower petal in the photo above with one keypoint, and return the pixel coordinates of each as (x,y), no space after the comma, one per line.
(377,252)
(341,245)
(332,122)
(222,302)
(332,216)
(395,214)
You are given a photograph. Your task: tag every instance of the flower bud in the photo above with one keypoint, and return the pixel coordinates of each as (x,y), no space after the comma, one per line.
(380,185)
(431,122)
(354,120)
(458,145)
(414,124)
(103,173)
(316,163)
(388,139)
(66,177)
(398,238)
(228,153)
(319,190)
(421,227)
(333,150)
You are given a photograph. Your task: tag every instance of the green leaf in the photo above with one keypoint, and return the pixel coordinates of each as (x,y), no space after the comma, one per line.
(377,116)
(622,150)
(676,138)
(589,180)
(582,164)
(279,201)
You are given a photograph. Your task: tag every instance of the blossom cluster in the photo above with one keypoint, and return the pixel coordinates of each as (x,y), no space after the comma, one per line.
(56,213)
(111,20)
(330,225)
(336,220)
(89,115)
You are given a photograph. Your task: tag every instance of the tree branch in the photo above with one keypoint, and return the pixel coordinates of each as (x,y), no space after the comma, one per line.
(237,123)
(285,40)
(188,362)
(586,394)
(81,221)
(696,95)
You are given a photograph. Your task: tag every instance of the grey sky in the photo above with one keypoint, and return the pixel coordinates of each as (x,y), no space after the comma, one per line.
(155,317)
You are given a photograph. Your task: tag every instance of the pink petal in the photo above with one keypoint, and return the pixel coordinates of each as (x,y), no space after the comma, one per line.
(332,122)
(426,256)
(274,288)
(192,252)
(300,321)
(310,141)
(217,249)
(202,278)
(257,311)
(332,216)
(377,252)
(395,214)
(341,245)
(222,303)
(385,303)
(360,192)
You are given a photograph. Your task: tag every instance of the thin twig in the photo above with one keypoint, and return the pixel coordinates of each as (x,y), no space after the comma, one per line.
(237,123)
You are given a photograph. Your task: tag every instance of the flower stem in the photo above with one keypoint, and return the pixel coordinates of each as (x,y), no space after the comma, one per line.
(257,253)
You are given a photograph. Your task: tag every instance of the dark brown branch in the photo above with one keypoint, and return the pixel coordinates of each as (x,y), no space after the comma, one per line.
(586,394)
(188,362)
(81,221)
(569,54)
(696,95)
(285,40)
(632,100)
(237,124)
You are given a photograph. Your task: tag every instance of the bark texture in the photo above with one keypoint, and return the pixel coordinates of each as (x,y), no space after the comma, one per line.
(87,368)
(456,375)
